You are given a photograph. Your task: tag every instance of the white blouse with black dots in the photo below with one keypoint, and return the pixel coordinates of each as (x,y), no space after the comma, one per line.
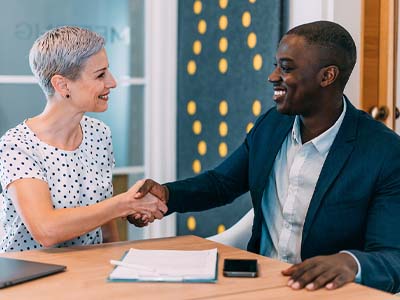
(75,178)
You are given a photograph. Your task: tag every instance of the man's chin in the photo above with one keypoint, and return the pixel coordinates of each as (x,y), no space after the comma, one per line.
(284,110)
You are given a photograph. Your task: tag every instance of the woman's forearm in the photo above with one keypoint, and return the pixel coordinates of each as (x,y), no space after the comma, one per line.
(50,226)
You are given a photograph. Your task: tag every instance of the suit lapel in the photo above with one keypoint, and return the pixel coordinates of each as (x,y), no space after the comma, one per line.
(272,143)
(340,151)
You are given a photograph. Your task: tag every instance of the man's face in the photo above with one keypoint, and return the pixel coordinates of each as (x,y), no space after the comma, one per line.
(297,76)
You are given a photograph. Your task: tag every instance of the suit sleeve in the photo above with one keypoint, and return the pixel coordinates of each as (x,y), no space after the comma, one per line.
(213,188)
(380,260)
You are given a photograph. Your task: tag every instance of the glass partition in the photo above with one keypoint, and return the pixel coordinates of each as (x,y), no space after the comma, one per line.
(122,25)
(23,21)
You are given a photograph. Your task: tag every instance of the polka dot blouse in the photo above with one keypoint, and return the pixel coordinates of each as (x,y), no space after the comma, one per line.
(75,178)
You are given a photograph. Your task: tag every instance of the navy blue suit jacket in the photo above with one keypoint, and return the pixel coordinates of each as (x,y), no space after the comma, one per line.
(355,205)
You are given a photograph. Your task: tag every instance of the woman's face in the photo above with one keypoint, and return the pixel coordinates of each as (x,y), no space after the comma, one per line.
(89,93)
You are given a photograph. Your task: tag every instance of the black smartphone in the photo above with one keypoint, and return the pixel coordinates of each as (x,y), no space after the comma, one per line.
(240,267)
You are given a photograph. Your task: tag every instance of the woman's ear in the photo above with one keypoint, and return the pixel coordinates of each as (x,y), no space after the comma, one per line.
(329,75)
(60,85)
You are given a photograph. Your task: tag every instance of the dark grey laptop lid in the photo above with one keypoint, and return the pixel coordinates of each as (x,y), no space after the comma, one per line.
(13,271)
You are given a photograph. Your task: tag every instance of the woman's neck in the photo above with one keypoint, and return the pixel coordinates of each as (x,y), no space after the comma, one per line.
(58,126)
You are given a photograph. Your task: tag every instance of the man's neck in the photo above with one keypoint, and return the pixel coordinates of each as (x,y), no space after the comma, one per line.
(313,126)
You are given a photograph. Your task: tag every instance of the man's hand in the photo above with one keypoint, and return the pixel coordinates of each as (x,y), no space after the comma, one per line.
(156,189)
(331,271)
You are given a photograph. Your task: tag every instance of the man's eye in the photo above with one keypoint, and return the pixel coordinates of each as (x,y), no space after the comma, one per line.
(286,69)
(283,68)
(101,75)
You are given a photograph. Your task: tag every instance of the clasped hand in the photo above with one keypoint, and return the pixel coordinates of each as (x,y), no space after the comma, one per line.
(150,190)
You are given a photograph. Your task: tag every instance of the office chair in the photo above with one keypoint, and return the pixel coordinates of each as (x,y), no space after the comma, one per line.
(238,235)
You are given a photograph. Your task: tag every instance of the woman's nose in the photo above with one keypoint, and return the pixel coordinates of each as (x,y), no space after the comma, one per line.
(112,83)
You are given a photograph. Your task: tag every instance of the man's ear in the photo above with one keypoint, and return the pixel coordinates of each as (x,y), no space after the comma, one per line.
(329,75)
(60,85)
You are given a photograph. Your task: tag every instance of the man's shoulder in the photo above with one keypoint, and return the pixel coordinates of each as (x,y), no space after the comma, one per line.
(376,138)
(371,127)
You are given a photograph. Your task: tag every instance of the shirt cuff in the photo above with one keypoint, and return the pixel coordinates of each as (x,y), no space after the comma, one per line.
(358,278)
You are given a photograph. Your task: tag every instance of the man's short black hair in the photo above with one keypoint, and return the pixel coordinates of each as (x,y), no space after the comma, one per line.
(341,47)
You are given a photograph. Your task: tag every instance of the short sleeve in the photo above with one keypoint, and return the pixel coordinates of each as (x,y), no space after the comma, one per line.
(17,161)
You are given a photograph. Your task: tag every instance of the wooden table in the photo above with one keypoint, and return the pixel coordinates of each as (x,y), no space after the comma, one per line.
(88,268)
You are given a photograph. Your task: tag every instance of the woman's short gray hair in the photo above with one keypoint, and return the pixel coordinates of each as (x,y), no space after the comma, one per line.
(62,51)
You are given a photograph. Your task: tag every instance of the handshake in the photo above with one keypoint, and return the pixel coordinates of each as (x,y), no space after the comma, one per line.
(153,197)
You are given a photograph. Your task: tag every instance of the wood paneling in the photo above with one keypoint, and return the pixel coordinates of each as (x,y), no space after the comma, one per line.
(120,183)
(370,54)
(378,56)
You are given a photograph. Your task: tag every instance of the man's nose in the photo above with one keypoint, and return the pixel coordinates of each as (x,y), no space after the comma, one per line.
(274,76)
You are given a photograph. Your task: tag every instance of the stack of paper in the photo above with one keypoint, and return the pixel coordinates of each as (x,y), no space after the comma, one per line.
(166,265)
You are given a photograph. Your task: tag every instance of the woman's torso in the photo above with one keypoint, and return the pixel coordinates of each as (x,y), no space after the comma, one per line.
(75,178)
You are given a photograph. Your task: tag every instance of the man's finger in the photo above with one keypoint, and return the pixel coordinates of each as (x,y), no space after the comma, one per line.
(289,271)
(305,278)
(321,280)
(339,281)
(145,188)
(299,269)
(136,222)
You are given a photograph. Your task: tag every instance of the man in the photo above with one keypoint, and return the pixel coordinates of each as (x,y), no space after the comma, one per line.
(323,176)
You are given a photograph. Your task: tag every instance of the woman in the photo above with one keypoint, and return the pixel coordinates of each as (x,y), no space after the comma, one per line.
(56,168)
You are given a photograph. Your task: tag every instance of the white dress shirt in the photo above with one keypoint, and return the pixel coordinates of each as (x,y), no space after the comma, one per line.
(289,190)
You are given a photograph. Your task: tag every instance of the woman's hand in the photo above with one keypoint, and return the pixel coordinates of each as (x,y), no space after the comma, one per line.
(149,207)
(149,188)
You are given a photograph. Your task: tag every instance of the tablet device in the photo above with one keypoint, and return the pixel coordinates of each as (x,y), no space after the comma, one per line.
(13,271)
(240,267)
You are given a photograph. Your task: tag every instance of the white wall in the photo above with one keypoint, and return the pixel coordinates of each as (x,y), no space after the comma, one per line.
(345,12)
(160,108)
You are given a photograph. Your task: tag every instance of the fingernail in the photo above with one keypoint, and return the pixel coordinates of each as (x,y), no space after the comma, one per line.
(310,286)
(290,282)
(329,286)
(296,285)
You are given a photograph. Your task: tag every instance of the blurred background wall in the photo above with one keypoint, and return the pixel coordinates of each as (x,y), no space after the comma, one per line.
(152,45)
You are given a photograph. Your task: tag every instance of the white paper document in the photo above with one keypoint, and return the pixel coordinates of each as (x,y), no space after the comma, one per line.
(166,265)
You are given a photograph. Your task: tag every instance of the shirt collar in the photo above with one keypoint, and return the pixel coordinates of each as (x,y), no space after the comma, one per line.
(324,141)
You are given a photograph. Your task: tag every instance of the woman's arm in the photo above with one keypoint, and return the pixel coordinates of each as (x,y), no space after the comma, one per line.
(50,226)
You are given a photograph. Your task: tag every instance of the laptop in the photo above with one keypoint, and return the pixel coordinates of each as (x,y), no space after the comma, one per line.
(13,271)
